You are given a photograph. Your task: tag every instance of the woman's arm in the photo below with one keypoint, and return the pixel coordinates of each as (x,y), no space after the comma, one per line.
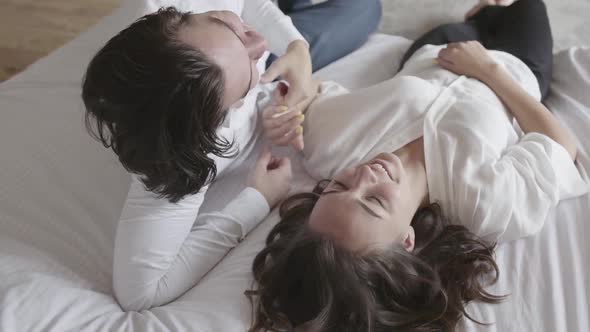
(472,59)
(530,114)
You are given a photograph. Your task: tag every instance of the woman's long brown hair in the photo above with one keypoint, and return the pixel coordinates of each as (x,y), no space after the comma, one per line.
(305,282)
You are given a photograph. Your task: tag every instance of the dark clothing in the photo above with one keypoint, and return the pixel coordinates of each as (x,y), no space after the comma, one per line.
(521,29)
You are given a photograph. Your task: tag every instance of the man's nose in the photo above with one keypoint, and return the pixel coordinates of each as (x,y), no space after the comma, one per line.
(255,44)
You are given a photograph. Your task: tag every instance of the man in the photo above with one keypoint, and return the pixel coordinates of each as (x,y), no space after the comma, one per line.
(174,95)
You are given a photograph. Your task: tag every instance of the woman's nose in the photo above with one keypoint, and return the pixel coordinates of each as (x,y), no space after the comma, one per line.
(364,175)
(255,44)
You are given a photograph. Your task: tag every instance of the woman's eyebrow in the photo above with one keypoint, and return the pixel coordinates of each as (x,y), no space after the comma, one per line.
(368,209)
(358,200)
(333,191)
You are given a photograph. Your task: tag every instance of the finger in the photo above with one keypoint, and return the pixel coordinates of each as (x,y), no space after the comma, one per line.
(445,54)
(273,112)
(292,122)
(302,104)
(282,116)
(285,128)
(295,95)
(274,128)
(445,50)
(445,63)
(276,121)
(453,45)
(286,139)
(297,143)
(275,70)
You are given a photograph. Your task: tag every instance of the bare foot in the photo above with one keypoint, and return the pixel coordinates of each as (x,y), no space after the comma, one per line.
(484,3)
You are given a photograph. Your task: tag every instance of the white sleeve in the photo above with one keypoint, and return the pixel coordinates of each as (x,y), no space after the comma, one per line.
(161,251)
(515,193)
(269,20)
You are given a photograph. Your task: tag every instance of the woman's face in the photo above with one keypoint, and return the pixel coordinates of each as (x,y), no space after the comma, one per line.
(365,207)
(230,43)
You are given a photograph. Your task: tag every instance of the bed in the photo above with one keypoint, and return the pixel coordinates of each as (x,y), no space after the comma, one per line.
(61,194)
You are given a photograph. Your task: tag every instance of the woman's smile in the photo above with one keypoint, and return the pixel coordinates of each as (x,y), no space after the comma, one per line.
(387,163)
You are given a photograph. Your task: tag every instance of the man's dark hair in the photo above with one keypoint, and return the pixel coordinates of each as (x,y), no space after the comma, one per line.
(157,102)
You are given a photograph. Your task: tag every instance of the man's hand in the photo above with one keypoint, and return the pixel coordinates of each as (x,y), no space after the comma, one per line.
(282,125)
(271,176)
(295,68)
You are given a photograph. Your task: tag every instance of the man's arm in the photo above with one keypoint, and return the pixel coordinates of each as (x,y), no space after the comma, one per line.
(276,27)
(159,254)
(161,251)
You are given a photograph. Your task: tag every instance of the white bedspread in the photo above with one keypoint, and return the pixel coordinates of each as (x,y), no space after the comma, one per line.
(61,194)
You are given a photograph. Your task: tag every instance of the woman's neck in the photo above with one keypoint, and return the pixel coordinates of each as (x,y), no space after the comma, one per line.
(412,157)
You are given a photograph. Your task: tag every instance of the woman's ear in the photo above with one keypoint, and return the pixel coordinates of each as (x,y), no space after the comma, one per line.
(409,239)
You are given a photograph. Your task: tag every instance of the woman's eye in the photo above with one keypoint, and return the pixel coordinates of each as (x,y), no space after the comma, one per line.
(377,200)
(337,186)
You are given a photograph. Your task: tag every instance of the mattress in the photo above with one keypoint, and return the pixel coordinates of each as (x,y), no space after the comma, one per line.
(61,194)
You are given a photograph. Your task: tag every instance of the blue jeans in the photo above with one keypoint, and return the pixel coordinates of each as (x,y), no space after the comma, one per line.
(333,28)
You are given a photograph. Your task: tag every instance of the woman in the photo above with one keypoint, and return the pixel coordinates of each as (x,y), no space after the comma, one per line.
(424,182)
(175,96)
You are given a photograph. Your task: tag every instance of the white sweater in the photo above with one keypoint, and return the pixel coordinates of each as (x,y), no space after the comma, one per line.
(483,172)
(163,249)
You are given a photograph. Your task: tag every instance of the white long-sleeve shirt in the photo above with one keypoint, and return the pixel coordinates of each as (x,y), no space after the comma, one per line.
(162,249)
(483,172)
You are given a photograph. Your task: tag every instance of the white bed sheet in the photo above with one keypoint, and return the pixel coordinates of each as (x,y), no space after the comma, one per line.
(61,194)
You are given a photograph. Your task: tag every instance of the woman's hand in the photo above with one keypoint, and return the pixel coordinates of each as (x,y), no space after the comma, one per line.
(271,176)
(282,125)
(295,68)
(466,58)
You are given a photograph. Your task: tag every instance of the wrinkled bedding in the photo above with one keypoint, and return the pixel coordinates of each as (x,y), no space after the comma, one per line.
(61,194)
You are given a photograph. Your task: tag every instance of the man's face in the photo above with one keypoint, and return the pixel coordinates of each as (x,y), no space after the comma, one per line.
(230,43)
